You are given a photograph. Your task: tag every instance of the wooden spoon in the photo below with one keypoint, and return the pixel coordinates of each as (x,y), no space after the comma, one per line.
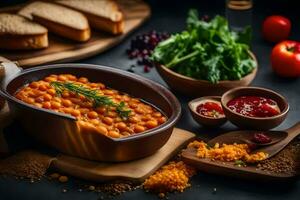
(281,139)
(275,137)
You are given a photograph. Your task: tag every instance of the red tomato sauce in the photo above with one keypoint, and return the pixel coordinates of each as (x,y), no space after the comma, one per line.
(254,106)
(210,109)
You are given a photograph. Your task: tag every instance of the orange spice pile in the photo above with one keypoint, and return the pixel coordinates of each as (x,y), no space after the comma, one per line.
(170,178)
(227,152)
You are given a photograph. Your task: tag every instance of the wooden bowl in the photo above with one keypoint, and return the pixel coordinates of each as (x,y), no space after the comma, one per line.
(204,120)
(256,123)
(194,87)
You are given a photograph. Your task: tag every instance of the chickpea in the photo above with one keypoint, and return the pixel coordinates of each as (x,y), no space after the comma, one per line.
(162,120)
(95,121)
(29,100)
(55,105)
(47,105)
(34,85)
(62,78)
(84,110)
(139,111)
(151,124)
(101,110)
(53,76)
(71,77)
(75,113)
(43,87)
(31,94)
(75,100)
(121,126)
(67,110)
(132,104)
(92,115)
(50,79)
(125,133)
(146,117)
(126,98)
(139,128)
(87,104)
(51,91)
(102,130)
(93,85)
(47,97)
(107,120)
(114,134)
(118,119)
(83,80)
(112,114)
(108,92)
(57,99)
(65,94)
(133,119)
(40,99)
(101,86)
(156,114)
(66,102)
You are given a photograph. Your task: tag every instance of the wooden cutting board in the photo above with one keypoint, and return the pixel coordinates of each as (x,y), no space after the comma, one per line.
(63,50)
(137,170)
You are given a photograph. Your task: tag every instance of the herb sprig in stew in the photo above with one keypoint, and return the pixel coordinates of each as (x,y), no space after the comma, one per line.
(92,95)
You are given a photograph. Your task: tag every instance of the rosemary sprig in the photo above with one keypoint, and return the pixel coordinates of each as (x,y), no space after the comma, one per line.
(92,95)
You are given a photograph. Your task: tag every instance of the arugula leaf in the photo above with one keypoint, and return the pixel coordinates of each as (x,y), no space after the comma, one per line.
(207,50)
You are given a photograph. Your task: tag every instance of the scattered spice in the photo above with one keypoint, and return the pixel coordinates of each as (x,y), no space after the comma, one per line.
(112,189)
(54,176)
(227,152)
(214,190)
(170,178)
(141,47)
(26,164)
(91,188)
(286,161)
(63,179)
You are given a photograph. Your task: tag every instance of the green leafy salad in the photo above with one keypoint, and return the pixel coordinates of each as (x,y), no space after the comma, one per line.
(207,50)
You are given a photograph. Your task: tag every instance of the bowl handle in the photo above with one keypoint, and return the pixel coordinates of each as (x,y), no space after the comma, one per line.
(7,69)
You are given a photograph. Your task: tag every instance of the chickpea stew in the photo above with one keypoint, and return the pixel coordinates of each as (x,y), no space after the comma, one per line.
(111,112)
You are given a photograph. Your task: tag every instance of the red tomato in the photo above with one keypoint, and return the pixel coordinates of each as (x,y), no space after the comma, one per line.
(276,28)
(285,59)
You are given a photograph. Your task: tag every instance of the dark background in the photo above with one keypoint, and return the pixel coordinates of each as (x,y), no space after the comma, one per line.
(170,16)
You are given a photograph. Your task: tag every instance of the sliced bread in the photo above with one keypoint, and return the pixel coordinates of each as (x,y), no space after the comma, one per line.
(17,32)
(102,14)
(59,20)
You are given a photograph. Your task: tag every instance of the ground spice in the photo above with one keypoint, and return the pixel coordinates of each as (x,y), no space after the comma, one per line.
(227,152)
(286,161)
(170,178)
(26,164)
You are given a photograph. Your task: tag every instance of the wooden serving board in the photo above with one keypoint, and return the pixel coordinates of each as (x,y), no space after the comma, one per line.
(137,170)
(229,169)
(64,50)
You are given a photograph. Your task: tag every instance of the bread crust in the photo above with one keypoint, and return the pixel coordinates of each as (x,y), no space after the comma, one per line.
(80,35)
(100,22)
(23,42)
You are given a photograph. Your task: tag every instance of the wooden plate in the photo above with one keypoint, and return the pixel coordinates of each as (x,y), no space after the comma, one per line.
(63,50)
(229,169)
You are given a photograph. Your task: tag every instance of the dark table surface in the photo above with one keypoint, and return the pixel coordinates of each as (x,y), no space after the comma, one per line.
(170,16)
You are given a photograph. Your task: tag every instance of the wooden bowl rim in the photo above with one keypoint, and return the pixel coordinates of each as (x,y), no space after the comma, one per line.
(282,113)
(173,73)
(218,98)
